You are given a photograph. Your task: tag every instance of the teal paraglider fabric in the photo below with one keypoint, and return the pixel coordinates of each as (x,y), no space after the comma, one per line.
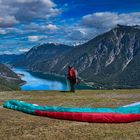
(30,108)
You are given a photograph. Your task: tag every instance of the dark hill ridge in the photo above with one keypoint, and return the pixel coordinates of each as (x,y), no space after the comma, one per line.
(110,60)
(10,59)
(42,53)
(8,79)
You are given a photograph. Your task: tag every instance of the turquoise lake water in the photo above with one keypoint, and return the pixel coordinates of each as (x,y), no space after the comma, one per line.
(40,81)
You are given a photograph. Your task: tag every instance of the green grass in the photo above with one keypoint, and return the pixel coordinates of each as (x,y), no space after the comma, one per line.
(17,125)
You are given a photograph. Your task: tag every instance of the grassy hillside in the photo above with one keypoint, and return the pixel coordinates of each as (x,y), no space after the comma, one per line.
(8,79)
(17,125)
(8,85)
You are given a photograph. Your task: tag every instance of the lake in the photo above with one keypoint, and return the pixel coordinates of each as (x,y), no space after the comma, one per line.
(40,81)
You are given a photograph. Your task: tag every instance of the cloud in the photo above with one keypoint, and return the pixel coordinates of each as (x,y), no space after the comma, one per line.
(36,10)
(22,50)
(24,11)
(94,24)
(41,28)
(2,32)
(105,20)
(6,52)
(77,34)
(71,31)
(51,27)
(8,21)
(49,3)
(33,38)
(36,38)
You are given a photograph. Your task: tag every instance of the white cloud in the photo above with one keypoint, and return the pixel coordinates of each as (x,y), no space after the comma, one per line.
(33,38)
(26,10)
(6,52)
(105,20)
(94,24)
(51,27)
(24,1)
(67,32)
(8,21)
(3,32)
(13,30)
(32,26)
(49,2)
(77,34)
(36,38)
(22,50)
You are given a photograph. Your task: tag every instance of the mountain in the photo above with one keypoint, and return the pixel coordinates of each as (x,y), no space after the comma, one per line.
(8,79)
(42,53)
(110,60)
(10,59)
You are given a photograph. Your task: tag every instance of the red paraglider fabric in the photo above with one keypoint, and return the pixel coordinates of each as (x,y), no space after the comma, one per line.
(91,117)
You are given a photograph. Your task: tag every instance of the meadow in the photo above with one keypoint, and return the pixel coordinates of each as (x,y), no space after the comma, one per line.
(16,125)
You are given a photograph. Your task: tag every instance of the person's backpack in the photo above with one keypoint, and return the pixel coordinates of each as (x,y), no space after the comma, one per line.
(75,76)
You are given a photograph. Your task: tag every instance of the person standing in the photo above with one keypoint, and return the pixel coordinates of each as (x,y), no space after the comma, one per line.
(72,73)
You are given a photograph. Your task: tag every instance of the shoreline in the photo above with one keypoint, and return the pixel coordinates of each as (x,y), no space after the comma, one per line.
(61,78)
(89,84)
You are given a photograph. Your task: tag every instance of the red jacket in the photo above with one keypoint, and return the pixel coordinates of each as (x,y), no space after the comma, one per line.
(70,73)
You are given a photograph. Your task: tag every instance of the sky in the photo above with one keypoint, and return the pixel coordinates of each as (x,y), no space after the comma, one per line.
(28,23)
